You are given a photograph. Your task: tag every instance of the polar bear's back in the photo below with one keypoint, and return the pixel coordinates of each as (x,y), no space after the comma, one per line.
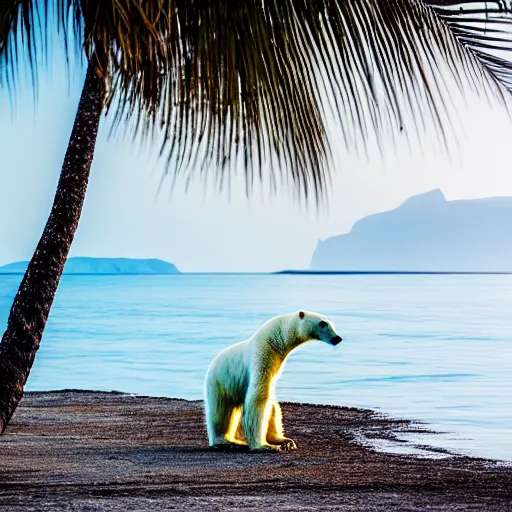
(228,373)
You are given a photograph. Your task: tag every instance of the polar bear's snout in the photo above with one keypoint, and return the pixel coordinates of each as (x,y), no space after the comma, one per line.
(322,330)
(336,339)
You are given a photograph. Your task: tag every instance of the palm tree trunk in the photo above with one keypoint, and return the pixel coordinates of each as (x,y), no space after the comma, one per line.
(34,299)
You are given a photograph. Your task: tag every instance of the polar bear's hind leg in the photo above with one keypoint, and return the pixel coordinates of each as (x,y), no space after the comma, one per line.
(217,414)
(222,418)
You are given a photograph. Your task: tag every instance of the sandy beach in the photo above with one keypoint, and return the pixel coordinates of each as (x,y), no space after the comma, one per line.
(81,450)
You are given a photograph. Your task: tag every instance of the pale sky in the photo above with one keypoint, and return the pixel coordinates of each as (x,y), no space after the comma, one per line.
(124,216)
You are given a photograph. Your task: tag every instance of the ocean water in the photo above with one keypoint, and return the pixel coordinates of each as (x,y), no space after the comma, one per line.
(436,349)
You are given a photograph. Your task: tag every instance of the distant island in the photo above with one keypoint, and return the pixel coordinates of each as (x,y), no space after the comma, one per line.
(103,266)
(383,272)
(425,234)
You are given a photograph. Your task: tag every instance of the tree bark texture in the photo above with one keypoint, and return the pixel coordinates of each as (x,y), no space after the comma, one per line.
(31,307)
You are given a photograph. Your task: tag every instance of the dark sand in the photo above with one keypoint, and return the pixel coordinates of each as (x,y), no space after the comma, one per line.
(107,451)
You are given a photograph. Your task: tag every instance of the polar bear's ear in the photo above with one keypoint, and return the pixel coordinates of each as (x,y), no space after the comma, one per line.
(302,315)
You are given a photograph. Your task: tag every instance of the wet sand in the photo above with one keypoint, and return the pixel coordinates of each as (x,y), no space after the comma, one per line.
(77,450)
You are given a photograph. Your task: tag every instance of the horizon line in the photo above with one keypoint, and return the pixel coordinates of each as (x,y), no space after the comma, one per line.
(287,272)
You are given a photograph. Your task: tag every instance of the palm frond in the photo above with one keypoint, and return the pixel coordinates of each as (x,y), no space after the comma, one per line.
(252,82)
(484,30)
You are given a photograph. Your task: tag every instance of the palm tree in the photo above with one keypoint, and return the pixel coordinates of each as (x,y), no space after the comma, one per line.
(235,83)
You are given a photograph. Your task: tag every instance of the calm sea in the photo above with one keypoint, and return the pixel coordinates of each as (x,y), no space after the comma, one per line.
(431,348)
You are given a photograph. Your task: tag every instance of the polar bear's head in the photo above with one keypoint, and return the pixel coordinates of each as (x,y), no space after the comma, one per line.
(312,326)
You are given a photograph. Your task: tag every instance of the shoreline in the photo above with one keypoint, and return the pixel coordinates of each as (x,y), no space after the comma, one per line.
(426,439)
(85,450)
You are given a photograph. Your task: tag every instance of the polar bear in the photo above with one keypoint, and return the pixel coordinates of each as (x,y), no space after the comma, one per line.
(239,390)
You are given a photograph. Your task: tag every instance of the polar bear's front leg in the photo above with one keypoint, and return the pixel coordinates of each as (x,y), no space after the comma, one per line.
(255,419)
(275,434)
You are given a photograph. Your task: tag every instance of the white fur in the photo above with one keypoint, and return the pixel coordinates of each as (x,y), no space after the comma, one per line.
(240,404)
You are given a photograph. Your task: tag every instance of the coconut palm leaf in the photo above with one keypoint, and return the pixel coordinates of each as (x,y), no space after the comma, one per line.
(255,80)
(484,30)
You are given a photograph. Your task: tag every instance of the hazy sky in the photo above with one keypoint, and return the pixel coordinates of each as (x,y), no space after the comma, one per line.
(124,215)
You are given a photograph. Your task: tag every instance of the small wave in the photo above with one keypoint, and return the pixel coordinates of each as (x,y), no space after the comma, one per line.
(413,378)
